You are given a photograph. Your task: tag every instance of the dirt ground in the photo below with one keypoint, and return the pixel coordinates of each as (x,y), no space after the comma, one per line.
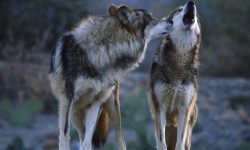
(223,121)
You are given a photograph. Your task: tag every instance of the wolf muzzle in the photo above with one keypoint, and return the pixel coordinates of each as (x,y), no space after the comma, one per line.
(189,13)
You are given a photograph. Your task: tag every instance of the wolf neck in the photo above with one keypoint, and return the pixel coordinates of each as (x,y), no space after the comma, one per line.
(111,49)
(177,60)
(183,40)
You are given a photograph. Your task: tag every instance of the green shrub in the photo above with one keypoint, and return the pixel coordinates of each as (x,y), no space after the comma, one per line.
(16,144)
(6,106)
(38,23)
(108,146)
(35,106)
(135,115)
(243,146)
(21,114)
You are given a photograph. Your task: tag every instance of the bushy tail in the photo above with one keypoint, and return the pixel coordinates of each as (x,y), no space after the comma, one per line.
(101,130)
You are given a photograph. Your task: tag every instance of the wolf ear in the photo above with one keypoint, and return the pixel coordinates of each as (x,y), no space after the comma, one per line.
(124,14)
(112,9)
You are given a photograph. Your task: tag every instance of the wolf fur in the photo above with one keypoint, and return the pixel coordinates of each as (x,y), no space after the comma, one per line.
(172,91)
(86,66)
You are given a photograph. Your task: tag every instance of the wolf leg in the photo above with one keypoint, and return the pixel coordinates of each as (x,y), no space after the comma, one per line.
(64,123)
(191,124)
(91,118)
(161,142)
(159,115)
(188,138)
(185,110)
(113,107)
(182,127)
(160,128)
(77,119)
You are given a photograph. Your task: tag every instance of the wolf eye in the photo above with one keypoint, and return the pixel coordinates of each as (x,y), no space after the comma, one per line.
(179,10)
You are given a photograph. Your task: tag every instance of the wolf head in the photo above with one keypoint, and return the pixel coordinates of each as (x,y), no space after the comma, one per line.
(185,33)
(185,17)
(140,19)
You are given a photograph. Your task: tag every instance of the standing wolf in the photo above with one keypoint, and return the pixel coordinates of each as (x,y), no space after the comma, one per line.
(172,91)
(87,64)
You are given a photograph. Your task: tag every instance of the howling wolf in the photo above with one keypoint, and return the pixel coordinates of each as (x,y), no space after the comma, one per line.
(172,91)
(87,64)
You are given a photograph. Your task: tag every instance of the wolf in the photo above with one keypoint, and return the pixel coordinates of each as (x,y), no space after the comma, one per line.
(87,64)
(172,90)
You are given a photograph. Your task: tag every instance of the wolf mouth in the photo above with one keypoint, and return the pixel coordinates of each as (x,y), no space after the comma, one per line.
(189,16)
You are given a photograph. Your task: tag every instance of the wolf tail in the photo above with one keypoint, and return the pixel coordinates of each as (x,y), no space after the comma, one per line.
(101,130)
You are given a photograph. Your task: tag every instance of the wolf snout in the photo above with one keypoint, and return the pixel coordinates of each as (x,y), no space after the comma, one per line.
(190,7)
(190,3)
(168,27)
(190,12)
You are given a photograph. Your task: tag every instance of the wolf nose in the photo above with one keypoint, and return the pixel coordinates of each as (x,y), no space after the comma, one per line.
(190,3)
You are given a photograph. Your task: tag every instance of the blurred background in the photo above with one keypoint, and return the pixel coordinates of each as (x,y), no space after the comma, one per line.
(28,110)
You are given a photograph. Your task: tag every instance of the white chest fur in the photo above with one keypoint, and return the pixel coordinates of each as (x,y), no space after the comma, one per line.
(183,40)
(174,96)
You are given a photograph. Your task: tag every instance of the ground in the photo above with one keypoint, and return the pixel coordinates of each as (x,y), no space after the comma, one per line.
(223,121)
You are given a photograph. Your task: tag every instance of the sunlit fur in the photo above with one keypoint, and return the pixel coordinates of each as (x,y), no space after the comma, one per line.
(172,91)
(87,65)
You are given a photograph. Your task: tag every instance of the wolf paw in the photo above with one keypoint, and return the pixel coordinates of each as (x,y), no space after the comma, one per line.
(162,146)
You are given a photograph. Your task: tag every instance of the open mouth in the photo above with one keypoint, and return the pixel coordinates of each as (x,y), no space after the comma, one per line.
(189,16)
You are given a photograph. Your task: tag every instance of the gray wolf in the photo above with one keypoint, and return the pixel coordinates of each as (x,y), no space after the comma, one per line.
(172,91)
(87,64)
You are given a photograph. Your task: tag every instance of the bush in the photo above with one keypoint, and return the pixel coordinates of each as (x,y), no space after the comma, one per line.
(16,144)
(135,115)
(37,24)
(21,114)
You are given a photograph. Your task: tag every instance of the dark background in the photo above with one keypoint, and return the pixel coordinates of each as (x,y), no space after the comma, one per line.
(29,27)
